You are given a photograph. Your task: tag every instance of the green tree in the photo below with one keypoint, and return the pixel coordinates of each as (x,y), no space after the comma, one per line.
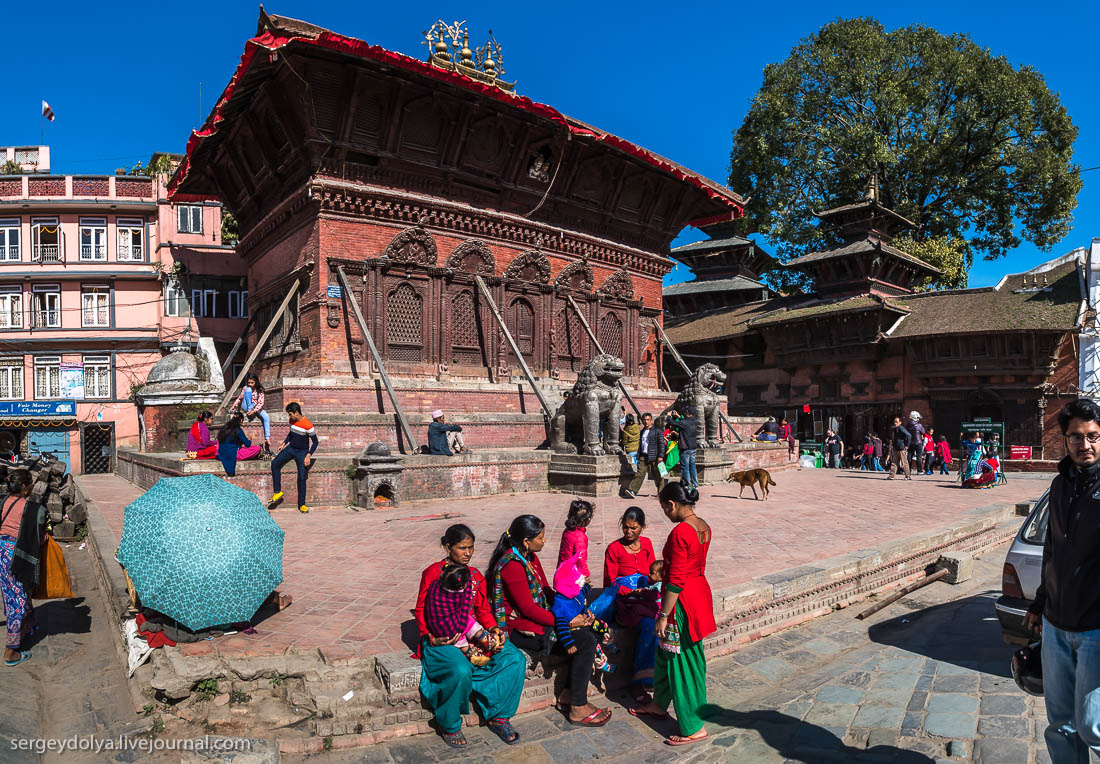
(979,153)
(11,167)
(230,232)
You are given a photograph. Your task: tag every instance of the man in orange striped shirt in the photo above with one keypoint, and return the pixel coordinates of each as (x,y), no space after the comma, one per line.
(299,445)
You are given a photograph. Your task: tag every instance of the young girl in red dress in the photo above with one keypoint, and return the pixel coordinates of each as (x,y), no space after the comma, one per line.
(574,540)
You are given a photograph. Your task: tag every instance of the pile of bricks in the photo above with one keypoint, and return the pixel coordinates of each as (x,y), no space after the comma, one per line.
(53,487)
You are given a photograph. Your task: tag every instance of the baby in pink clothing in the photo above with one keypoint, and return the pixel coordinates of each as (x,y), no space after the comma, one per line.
(574,540)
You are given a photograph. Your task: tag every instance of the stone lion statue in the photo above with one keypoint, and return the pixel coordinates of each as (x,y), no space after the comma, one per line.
(593,405)
(701,393)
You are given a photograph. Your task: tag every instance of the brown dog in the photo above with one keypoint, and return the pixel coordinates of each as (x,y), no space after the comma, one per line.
(752,478)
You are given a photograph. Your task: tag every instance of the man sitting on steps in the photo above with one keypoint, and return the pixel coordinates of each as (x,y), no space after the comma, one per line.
(443,437)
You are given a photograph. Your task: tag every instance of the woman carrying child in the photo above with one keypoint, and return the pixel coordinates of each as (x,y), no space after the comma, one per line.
(449,679)
(520,595)
(250,402)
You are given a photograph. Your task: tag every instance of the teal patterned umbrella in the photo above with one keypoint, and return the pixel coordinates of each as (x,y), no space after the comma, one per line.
(202,551)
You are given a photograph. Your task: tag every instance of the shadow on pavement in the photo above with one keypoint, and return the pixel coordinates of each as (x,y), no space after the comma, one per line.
(67,616)
(963,632)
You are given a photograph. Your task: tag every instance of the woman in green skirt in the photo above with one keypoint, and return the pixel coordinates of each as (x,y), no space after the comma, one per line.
(448,680)
(686,618)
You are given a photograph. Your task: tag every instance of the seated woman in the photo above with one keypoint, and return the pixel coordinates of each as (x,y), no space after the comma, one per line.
(628,562)
(199,444)
(521,597)
(448,679)
(978,472)
(768,431)
(234,445)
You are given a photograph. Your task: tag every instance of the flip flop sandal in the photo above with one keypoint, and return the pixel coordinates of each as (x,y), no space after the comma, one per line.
(455,739)
(681,740)
(640,714)
(590,720)
(25,655)
(503,729)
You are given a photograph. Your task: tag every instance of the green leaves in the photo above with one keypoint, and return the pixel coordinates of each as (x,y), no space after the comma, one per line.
(971,148)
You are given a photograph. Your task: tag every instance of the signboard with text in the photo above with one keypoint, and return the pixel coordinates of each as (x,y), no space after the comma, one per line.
(1019,452)
(21,409)
(72,381)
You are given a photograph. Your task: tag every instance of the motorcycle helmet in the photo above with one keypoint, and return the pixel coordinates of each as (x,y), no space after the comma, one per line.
(1027,668)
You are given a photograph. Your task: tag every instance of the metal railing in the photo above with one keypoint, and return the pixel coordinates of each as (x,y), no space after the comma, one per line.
(10,252)
(47,253)
(133,253)
(45,319)
(93,251)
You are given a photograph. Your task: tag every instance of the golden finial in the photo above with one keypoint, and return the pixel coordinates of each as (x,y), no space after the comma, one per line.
(872,192)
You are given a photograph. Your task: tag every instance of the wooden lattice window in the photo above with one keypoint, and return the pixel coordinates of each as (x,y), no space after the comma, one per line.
(285,338)
(569,339)
(521,321)
(465,341)
(611,335)
(405,324)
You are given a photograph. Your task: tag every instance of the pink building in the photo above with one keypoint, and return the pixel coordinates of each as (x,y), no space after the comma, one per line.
(90,297)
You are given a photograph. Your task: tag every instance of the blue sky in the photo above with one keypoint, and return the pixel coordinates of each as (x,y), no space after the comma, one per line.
(123,78)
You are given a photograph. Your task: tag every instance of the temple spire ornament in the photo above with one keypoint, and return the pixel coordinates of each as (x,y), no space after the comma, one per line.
(449,48)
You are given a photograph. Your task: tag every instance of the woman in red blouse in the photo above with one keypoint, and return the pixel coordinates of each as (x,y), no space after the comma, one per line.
(521,598)
(633,554)
(448,679)
(686,618)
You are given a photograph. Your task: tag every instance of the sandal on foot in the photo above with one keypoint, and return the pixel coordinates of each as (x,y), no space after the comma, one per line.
(641,713)
(590,720)
(455,739)
(682,740)
(25,655)
(503,729)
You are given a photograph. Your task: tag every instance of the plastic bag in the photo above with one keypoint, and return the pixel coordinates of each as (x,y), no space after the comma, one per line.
(53,573)
(807,460)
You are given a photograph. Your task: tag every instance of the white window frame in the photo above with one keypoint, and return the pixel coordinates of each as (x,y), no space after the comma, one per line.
(101,308)
(9,240)
(11,306)
(11,379)
(189,218)
(95,251)
(97,376)
(175,299)
(42,367)
(131,230)
(238,304)
(43,293)
(40,255)
(201,299)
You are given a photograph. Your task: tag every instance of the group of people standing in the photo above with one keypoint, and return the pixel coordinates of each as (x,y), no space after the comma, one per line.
(516,610)
(657,448)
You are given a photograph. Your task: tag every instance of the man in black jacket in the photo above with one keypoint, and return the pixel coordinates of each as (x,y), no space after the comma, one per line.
(688,428)
(651,452)
(899,449)
(1067,604)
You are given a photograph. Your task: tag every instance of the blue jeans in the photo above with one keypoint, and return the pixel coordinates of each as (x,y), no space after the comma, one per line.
(943,469)
(689,476)
(246,406)
(1071,689)
(878,466)
(281,458)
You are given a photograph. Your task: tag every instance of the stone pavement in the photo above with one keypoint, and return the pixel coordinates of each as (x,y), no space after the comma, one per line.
(924,680)
(354,574)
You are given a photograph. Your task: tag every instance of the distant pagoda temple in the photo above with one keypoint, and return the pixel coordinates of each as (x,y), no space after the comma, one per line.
(727,270)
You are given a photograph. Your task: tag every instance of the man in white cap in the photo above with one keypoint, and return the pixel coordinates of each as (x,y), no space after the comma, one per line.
(443,437)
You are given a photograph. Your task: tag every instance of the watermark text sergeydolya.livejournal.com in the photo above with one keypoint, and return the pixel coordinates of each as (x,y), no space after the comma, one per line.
(41,745)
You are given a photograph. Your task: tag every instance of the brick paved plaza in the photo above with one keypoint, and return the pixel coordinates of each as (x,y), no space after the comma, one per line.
(354,575)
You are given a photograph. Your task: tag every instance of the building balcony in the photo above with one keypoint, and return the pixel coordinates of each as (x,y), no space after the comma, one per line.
(135,254)
(48,253)
(10,252)
(93,252)
(45,319)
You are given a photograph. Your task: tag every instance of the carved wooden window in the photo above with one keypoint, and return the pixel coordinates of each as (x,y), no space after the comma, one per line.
(521,322)
(888,385)
(828,389)
(405,324)
(611,335)
(752,393)
(285,338)
(1014,344)
(569,340)
(465,344)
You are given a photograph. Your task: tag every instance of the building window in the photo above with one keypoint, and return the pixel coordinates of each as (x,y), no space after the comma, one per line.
(175,299)
(97,376)
(752,393)
(93,239)
(47,238)
(47,377)
(46,306)
(189,218)
(95,306)
(828,389)
(131,241)
(204,303)
(11,379)
(11,307)
(9,239)
(238,304)
(888,385)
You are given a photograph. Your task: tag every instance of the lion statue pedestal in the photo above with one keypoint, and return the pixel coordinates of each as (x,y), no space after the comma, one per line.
(586,475)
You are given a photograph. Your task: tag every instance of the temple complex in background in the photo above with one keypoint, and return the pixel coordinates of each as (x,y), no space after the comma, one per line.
(864,347)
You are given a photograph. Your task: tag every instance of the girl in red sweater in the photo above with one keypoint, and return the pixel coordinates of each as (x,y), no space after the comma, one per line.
(574,540)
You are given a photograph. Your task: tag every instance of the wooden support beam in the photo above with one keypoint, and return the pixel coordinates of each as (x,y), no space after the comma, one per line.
(349,296)
(680,360)
(512,344)
(599,349)
(239,342)
(259,346)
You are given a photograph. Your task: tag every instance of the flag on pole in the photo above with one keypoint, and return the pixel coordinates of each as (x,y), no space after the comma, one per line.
(47,112)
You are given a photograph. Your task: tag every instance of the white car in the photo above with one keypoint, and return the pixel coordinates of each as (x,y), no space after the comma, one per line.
(1021,575)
